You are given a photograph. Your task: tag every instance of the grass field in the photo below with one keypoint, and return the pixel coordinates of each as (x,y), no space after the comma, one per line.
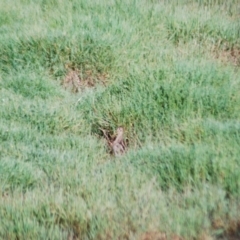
(168,72)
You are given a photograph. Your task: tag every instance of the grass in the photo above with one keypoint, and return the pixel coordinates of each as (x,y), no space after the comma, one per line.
(171,79)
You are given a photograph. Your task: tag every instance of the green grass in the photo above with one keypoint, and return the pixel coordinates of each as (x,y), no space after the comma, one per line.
(172,81)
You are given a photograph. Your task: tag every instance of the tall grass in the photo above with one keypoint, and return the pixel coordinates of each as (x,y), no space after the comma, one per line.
(171,79)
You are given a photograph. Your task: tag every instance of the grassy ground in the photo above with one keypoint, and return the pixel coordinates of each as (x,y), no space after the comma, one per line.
(167,71)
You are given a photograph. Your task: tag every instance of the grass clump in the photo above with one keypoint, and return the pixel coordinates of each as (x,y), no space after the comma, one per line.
(54,53)
(168,72)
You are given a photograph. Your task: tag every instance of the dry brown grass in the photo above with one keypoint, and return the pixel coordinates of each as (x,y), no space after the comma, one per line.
(156,235)
(227,55)
(76,81)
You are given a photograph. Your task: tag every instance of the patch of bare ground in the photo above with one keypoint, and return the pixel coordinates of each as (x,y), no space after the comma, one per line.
(158,236)
(231,233)
(76,80)
(228,55)
(150,235)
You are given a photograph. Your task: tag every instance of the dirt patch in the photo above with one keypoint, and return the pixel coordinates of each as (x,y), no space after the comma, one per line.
(232,232)
(158,236)
(153,236)
(228,55)
(76,80)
